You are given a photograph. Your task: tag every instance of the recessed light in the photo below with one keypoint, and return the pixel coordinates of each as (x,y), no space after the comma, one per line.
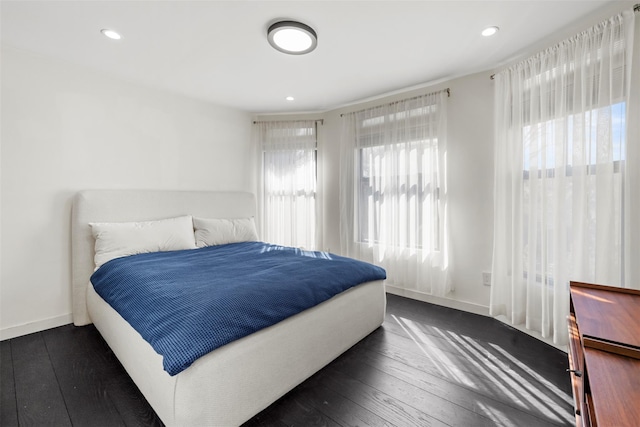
(489,31)
(289,98)
(294,38)
(111,34)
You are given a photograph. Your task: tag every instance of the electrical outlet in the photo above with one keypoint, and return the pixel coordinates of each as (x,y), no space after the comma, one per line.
(486,278)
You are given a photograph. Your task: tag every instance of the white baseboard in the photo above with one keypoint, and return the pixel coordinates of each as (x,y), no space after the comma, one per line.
(31,327)
(443,301)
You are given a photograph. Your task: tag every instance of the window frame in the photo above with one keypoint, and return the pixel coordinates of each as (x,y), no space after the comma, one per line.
(300,192)
(361,229)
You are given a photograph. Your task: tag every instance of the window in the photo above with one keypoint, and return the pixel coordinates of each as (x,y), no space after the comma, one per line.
(393,192)
(409,183)
(561,175)
(549,152)
(396,160)
(289,183)
(548,144)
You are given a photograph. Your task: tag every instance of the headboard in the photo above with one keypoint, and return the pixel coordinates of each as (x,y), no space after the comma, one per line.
(138,205)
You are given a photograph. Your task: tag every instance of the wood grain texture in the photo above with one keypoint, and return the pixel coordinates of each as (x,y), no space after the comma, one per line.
(620,308)
(339,408)
(576,368)
(387,406)
(611,347)
(604,326)
(615,388)
(467,395)
(426,399)
(38,396)
(82,375)
(8,409)
(93,381)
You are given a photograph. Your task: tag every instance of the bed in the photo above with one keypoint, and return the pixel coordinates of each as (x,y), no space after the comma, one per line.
(229,385)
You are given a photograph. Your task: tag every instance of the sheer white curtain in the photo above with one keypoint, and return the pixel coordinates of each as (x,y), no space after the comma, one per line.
(288,182)
(561,165)
(393,195)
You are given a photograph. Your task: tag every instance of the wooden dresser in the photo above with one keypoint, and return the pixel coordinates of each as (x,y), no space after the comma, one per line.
(604,355)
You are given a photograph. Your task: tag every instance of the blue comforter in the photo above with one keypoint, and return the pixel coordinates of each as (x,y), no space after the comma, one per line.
(188,303)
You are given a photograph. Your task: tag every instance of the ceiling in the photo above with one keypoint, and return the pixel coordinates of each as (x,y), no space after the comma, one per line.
(218,51)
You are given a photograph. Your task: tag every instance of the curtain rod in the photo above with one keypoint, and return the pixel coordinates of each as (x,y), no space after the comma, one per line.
(636,9)
(255,122)
(448,90)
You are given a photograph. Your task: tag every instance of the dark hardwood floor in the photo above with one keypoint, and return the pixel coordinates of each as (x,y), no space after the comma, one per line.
(426,366)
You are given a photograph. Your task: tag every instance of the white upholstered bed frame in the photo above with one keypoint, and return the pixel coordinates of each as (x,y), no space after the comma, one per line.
(233,383)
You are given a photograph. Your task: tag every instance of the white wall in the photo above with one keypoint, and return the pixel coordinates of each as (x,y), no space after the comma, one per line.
(470,174)
(66,128)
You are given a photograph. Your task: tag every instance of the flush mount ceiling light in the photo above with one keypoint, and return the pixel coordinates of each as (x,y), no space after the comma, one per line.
(290,98)
(111,34)
(294,38)
(489,31)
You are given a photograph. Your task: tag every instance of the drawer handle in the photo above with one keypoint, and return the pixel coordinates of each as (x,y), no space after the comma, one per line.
(575,371)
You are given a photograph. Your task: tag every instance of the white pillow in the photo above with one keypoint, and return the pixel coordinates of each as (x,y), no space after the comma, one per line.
(118,239)
(210,232)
